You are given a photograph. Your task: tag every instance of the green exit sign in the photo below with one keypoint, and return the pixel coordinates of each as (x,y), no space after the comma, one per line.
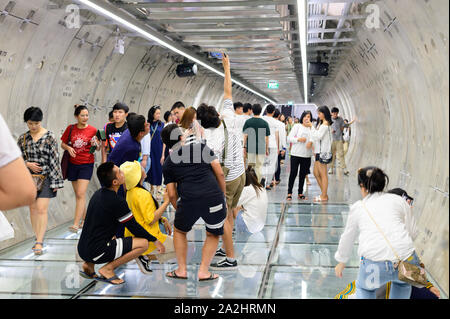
(273,85)
(290,103)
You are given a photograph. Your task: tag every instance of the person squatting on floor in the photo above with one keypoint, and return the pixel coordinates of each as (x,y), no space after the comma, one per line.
(251,212)
(385,226)
(97,244)
(196,186)
(148,214)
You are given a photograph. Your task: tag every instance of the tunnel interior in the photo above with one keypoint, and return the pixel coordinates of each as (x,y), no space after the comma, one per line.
(388,68)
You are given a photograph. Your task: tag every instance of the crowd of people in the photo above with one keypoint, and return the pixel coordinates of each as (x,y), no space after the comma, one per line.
(212,163)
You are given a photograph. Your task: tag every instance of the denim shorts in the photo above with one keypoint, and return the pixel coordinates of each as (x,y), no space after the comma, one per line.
(375,274)
(76,172)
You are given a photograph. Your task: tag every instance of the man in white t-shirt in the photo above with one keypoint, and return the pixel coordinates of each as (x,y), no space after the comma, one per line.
(270,164)
(16,185)
(240,120)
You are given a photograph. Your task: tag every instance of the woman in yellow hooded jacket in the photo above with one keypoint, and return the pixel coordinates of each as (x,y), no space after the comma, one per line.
(147,213)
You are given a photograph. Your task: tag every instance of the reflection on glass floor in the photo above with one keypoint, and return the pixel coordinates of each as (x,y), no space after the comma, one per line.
(293,257)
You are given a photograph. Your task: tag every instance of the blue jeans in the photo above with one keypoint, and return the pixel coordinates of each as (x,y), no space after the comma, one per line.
(241,227)
(374,274)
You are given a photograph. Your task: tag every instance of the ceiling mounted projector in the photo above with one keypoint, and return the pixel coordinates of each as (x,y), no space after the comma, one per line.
(186,69)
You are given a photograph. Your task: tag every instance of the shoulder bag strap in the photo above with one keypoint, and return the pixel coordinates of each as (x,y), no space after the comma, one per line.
(156,128)
(224,155)
(379,229)
(70,134)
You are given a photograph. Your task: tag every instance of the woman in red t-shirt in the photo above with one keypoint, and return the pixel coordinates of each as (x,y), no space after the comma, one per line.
(81,163)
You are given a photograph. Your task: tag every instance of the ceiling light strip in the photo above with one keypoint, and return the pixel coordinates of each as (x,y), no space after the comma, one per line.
(151,37)
(301,11)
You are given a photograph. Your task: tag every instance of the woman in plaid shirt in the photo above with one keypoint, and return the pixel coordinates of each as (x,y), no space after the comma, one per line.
(40,153)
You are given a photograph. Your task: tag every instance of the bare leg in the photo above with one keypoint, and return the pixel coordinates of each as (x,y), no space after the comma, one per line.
(181,246)
(316,173)
(39,217)
(324,183)
(140,245)
(227,236)
(80,187)
(208,251)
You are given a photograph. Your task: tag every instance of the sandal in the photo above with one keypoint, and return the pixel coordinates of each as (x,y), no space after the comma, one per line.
(302,197)
(87,276)
(73,229)
(319,199)
(37,251)
(289,197)
(211,277)
(109,280)
(174,275)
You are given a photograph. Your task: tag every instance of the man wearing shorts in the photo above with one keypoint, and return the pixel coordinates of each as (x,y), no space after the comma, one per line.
(196,187)
(105,212)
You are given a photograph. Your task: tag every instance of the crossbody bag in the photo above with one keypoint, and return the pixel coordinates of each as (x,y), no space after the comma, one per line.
(407,272)
(37,178)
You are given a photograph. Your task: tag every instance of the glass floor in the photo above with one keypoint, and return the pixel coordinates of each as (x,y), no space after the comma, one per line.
(291,258)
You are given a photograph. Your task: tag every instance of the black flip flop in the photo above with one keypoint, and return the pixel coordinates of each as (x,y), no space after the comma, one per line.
(108,280)
(211,277)
(289,197)
(87,276)
(174,275)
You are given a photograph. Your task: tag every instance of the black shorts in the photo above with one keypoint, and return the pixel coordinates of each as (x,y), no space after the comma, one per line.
(46,191)
(76,172)
(213,212)
(114,249)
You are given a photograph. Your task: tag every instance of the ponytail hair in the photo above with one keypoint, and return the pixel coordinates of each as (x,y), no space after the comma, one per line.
(373,179)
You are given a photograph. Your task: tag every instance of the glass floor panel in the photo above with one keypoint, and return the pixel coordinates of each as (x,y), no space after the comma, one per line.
(310,235)
(314,255)
(289,282)
(41,278)
(242,283)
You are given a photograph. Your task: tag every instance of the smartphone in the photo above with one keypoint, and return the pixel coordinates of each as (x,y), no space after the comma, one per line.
(216,55)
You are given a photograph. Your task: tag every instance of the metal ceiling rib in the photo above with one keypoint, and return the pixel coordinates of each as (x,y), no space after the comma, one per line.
(261,36)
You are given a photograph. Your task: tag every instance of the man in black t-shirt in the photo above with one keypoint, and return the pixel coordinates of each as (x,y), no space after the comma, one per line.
(113,131)
(196,186)
(106,210)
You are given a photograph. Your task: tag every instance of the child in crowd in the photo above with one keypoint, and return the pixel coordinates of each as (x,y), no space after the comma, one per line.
(148,214)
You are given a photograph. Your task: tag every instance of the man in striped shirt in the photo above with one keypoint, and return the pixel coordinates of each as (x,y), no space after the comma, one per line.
(105,212)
